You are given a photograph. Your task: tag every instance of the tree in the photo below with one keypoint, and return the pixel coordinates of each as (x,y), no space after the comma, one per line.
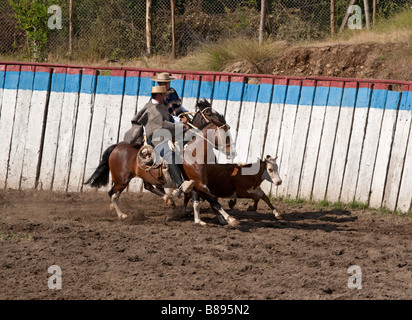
(32,17)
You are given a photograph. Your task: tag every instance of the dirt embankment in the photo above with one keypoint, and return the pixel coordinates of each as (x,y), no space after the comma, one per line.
(376,61)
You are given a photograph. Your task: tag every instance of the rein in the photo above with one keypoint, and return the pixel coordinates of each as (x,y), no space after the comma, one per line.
(204,125)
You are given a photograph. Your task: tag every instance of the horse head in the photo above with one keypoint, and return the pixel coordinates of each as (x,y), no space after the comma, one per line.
(205,116)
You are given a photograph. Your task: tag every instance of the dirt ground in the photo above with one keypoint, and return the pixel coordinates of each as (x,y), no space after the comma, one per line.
(303,255)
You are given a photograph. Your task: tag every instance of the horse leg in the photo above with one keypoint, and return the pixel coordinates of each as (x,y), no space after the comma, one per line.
(159,192)
(166,197)
(185,203)
(227,219)
(196,211)
(217,208)
(114,194)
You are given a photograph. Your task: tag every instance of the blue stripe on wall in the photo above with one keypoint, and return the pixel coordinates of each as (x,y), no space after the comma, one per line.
(321,96)
(26,80)
(265,93)
(349,97)
(335,97)
(41,81)
(306,96)
(116,85)
(2,74)
(235,91)
(363,99)
(11,80)
(103,84)
(292,96)
(131,86)
(191,88)
(279,93)
(392,101)
(58,80)
(178,86)
(145,86)
(88,84)
(219,90)
(406,101)
(379,98)
(250,93)
(72,83)
(206,90)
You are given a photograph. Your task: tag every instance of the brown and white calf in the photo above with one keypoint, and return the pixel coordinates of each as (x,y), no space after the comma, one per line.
(238,181)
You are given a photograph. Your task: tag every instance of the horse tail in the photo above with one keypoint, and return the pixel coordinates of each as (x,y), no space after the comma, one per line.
(100,176)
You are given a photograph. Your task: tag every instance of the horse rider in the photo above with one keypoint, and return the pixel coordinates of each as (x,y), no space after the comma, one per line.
(151,118)
(173,102)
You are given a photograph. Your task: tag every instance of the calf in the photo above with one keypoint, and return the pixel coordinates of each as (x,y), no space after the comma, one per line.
(238,181)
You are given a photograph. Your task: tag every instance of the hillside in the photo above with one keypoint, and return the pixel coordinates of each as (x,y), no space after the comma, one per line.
(372,60)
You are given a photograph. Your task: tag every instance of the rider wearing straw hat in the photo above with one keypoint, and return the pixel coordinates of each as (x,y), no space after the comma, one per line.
(173,102)
(154,118)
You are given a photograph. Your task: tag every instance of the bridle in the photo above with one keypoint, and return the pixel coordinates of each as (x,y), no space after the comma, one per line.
(207,122)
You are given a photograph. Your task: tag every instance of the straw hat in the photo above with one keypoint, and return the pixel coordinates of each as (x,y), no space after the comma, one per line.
(158,89)
(163,77)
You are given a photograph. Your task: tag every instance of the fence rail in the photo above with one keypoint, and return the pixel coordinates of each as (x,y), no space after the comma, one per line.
(336,139)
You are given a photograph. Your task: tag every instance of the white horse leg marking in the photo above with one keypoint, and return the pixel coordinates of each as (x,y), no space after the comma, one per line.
(166,198)
(228,219)
(196,210)
(115,205)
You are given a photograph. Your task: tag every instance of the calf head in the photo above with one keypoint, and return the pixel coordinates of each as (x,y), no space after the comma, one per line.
(272,173)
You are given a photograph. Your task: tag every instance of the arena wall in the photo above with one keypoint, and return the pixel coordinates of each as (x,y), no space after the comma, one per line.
(336,139)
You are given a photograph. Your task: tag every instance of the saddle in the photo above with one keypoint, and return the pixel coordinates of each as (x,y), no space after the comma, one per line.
(149,161)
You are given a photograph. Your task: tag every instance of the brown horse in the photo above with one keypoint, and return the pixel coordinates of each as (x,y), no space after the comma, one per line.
(123,162)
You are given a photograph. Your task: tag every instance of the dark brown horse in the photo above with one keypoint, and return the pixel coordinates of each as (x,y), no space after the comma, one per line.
(123,162)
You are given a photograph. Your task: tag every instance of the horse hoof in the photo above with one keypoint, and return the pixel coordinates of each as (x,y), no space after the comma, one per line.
(221,220)
(122,216)
(168,201)
(234,223)
(277,214)
(200,223)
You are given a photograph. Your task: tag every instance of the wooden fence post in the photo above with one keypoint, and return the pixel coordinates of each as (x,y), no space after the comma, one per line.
(148,28)
(172,9)
(367,17)
(345,19)
(71,27)
(262,21)
(332,17)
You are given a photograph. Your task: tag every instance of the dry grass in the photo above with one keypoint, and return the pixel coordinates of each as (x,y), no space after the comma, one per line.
(218,56)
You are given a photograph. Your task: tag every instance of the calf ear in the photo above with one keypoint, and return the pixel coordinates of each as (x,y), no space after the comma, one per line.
(268,157)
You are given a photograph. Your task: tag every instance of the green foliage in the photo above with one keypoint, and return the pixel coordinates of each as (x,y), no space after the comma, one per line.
(32,17)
